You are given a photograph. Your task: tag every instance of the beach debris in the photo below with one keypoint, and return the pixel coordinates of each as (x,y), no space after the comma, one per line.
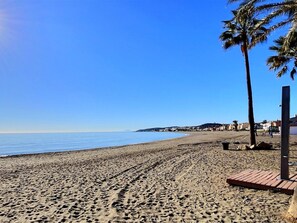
(292,212)
(264,146)
(252,147)
(243,147)
(260,146)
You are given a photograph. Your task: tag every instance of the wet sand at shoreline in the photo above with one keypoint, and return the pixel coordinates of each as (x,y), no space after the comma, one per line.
(180,180)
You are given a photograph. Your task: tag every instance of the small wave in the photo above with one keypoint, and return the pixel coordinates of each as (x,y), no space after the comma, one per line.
(3,156)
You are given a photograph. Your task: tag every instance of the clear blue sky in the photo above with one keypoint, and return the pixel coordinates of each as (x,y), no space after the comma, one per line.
(113,65)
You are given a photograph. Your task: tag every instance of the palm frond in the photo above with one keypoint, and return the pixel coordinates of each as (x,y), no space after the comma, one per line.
(278,25)
(290,40)
(232,1)
(272,6)
(226,35)
(282,71)
(274,48)
(284,56)
(275,62)
(292,73)
(258,38)
(271,16)
(227,44)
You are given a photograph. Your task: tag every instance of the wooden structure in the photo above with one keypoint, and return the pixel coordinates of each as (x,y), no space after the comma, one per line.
(268,180)
(264,180)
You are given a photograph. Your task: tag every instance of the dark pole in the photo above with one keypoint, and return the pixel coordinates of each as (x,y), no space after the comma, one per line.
(285,131)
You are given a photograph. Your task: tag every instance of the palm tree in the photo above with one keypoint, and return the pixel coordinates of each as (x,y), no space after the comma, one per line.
(286,48)
(235,124)
(246,30)
(284,56)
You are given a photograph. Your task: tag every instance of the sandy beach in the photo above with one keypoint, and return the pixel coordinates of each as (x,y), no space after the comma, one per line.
(180,180)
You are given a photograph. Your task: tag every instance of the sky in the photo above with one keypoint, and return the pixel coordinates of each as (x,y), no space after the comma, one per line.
(118,65)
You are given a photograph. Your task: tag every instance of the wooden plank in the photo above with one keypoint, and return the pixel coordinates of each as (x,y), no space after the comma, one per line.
(252,177)
(269,180)
(273,180)
(249,176)
(292,186)
(264,180)
(261,177)
(289,184)
(244,175)
(286,190)
(239,179)
(235,176)
(286,184)
(274,183)
(294,177)
(242,184)
(269,177)
(252,173)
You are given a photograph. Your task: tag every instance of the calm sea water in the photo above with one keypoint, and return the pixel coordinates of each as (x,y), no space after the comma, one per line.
(15,144)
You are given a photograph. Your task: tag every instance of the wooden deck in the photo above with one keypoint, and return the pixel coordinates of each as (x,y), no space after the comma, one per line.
(264,180)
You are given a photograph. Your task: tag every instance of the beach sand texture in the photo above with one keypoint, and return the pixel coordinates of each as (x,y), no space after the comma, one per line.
(180,180)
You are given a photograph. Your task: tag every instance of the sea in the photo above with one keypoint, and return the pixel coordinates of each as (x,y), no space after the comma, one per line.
(32,143)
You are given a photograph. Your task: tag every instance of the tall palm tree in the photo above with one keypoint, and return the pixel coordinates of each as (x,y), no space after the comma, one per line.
(235,124)
(245,30)
(284,56)
(285,48)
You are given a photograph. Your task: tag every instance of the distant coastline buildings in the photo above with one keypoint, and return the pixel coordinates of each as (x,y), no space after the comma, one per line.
(265,126)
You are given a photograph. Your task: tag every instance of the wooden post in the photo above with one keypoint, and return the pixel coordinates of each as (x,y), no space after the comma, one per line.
(285,132)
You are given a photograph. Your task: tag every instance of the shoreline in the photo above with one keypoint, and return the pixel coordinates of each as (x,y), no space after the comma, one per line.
(175,180)
(188,134)
(86,149)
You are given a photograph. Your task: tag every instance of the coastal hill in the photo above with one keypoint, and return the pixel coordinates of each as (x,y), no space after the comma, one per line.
(182,128)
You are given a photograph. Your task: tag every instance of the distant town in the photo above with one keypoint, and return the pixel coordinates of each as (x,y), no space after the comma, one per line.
(273,126)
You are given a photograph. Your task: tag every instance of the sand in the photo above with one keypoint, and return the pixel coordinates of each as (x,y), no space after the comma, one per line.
(180,180)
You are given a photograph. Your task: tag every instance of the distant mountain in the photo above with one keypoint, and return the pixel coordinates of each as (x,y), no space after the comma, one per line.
(210,125)
(156,129)
(182,128)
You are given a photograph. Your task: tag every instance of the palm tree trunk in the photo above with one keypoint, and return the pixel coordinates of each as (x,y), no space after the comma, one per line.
(250,95)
